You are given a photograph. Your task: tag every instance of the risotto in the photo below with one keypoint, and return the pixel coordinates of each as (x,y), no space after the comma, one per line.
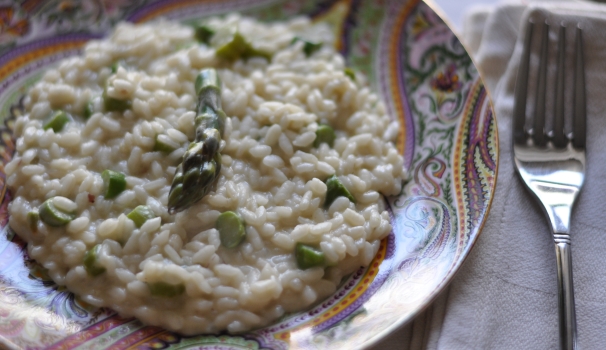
(305,155)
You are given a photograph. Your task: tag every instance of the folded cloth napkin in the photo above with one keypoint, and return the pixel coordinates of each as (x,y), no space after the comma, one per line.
(505,295)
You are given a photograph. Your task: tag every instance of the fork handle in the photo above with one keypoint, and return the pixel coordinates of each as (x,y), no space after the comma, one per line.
(567,317)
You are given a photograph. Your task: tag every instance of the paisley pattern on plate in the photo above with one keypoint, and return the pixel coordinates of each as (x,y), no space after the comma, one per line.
(448,139)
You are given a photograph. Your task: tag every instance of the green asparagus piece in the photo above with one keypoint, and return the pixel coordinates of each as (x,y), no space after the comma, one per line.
(334,190)
(203,33)
(252,52)
(231,229)
(308,47)
(113,104)
(140,215)
(32,219)
(51,215)
(201,163)
(88,110)
(350,73)
(190,186)
(114,183)
(308,256)
(162,146)
(233,49)
(167,290)
(208,89)
(210,119)
(56,121)
(207,78)
(91,261)
(238,47)
(324,134)
(116,64)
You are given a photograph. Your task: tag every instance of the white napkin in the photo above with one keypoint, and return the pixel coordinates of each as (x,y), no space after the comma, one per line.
(505,296)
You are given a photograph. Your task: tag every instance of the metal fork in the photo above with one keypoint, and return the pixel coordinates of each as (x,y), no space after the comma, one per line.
(552,164)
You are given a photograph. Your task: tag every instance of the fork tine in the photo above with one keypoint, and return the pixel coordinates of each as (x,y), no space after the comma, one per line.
(580,116)
(559,138)
(538,134)
(521,89)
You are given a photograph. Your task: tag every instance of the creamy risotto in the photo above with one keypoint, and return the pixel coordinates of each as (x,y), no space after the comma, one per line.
(306,154)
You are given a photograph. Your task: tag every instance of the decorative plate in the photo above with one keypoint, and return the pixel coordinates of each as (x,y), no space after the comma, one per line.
(448,139)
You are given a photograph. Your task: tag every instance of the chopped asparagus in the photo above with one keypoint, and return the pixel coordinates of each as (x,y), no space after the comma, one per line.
(115,65)
(32,219)
(233,49)
(324,134)
(308,47)
(88,110)
(203,33)
(114,183)
(91,261)
(231,229)
(54,216)
(140,215)
(253,52)
(350,73)
(166,290)
(163,146)
(238,47)
(308,256)
(334,190)
(56,121)
(113,104)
